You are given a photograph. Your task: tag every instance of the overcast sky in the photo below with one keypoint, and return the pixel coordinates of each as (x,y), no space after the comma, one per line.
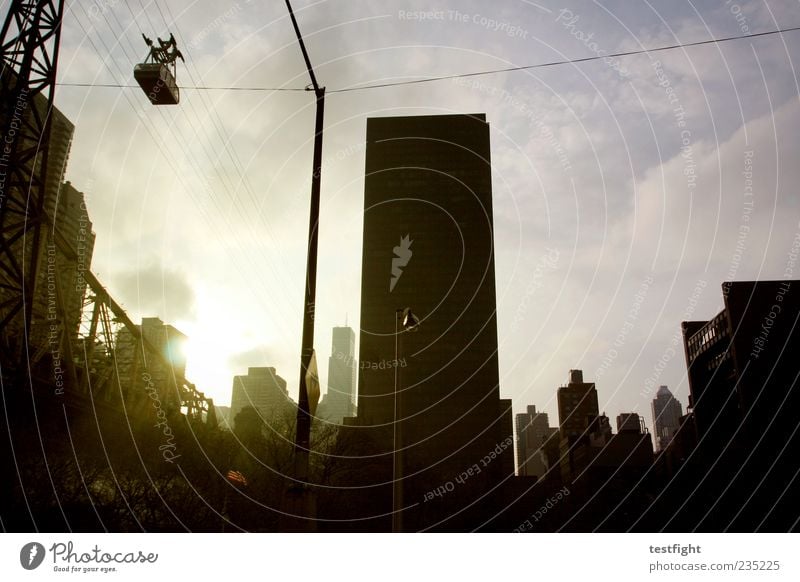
(621,196)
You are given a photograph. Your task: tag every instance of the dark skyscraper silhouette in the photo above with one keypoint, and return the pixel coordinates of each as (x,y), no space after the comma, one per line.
(429,246)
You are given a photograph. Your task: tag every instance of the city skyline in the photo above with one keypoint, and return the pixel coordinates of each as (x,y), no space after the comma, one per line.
(564,299)
(608,235)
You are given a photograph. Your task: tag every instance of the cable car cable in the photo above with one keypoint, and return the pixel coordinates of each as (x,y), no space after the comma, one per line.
(474,73)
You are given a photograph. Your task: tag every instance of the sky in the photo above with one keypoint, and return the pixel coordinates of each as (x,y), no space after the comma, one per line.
(626,189)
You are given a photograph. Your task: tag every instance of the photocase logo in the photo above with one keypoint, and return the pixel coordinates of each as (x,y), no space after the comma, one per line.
(402,256)
(31,555)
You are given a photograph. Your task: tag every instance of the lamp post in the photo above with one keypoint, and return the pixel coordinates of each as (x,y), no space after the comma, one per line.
(410,323)
(299,495)
(304,406)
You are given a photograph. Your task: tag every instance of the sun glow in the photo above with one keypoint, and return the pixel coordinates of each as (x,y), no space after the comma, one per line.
(218,332)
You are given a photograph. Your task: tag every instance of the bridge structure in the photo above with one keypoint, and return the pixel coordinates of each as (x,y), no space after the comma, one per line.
(63,337)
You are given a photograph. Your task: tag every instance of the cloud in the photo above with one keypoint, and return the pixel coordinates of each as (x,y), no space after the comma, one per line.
(706,221)
(256,357)
(154,291)
(165,182)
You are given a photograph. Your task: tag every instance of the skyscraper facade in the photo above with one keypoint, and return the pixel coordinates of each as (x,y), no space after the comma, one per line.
(429,246)
(667,412)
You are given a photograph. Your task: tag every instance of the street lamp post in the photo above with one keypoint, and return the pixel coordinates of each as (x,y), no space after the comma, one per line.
(410,323)
(303,434)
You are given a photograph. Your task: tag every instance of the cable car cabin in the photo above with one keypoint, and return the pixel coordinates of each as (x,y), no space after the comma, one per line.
(158,83)
(156,75)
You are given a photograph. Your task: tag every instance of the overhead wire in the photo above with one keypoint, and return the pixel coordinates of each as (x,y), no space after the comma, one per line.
(562,62)
(227,182)
(216,121)
(226,140)
(165,154)
(127,97)
(215,118)
(433,79)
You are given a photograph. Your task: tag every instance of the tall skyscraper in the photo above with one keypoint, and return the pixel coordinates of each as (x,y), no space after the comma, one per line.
(340,400)
(429,246)
(54,268)
(261,388)
(63,255)
(667,412)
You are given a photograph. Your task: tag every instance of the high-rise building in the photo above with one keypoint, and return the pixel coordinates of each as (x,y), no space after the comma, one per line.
(340,400)
(667,412)
(137,369)
(580,425)
(55,275)
(261,388)
(63,254)
(577,406)
(431,394)
(534,433)
(739,362)
(521,422)
(73,223)
(744,395)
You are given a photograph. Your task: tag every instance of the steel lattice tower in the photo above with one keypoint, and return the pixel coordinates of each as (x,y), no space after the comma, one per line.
(30,45)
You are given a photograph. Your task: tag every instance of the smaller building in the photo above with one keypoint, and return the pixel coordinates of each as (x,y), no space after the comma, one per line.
(577,406)
(224,420)
(537,443)
(630,422)
(262,389)
(667,412)
(139,372)
(588,449)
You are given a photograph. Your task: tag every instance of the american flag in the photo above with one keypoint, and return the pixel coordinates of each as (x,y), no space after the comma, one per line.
(236,477)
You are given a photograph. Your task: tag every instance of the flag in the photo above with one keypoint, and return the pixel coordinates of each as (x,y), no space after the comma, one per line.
(237,477)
